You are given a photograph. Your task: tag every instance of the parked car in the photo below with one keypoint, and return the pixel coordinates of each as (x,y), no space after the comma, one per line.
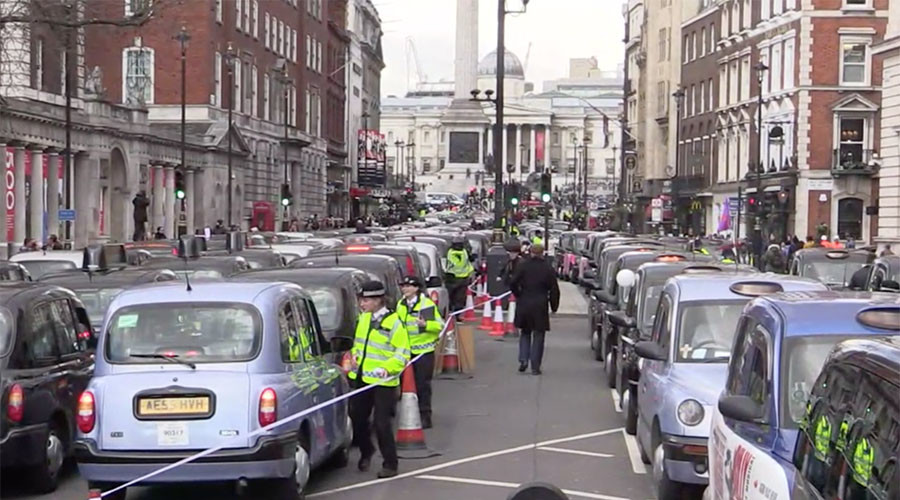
(207,267)
(635,319)
(50,261)
(884,274)
(185,369)
(780,347)
(433,267)
(12,271)
(857,398)
(830,266)
(378,267)
(407,258)
(684,368)
(46,347)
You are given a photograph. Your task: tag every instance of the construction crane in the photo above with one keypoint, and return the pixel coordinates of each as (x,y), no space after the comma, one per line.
(527,58)
(412,56)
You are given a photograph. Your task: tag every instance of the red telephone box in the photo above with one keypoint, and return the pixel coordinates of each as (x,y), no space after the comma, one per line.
(263,216)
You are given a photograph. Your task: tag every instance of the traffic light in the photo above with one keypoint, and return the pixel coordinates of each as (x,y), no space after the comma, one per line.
(179,185)
(287,199)
(752,203)
(512,195)
(546,188)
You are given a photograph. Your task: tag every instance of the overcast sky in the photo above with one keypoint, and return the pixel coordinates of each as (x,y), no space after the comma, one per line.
(557,29)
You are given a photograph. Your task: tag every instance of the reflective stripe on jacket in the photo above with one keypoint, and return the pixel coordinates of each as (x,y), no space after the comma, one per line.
(385,345)
(421,340)
(863,459)
(458,263)
(822,438)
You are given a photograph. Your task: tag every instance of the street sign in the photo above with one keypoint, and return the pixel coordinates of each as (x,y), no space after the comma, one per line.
(66,215)
(656,214)
(380,193)
(656,203)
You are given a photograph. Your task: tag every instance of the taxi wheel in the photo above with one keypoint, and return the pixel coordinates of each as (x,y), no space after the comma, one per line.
(292,488)
(629,406)
(45,476)
(609,368)
(595,346)
(665,488)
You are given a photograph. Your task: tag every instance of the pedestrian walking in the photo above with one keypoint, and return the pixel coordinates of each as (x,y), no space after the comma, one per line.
(536,289)
(424,324)
(379,355)
(514,254)
(140,202)
(773,260)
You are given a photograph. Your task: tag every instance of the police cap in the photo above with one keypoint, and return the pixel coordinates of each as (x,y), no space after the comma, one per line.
(412,280)
(373,288)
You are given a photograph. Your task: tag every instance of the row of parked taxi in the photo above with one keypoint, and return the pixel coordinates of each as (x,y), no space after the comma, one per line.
(740,384)
(132,357)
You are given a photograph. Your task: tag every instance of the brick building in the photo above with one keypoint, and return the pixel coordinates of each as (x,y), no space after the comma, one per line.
(820,103)
(279,59)
(697,138)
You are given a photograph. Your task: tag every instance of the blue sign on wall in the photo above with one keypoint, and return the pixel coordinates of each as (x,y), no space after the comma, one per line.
(66,215)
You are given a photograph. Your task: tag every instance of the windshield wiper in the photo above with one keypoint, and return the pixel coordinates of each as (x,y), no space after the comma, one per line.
(172,359)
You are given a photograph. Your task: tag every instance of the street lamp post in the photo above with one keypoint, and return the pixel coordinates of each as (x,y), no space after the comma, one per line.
(411,163)
(230,57)
(398,168)
(183,37)
(522,162)
(575,173)
(760,68)
(584,169)
(281,70)
(365,158)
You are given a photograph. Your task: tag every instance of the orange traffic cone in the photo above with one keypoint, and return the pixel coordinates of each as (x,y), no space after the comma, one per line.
(94,493)
(450,368)
(481,291)
(498,328)
(410,436)
(486,321)
(511,316)
(469,313)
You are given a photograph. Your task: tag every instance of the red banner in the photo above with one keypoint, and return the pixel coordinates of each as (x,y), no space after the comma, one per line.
(539,145)
(10,197)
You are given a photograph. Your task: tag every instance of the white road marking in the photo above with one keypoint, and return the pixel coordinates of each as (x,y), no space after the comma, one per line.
(576,452)
(617,403)
(634,453)
(466,460)
(501,484)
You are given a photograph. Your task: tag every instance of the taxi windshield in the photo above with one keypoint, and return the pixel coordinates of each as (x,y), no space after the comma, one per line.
(802,359)
(328,306)
(831,272)
(195,274)
(212,333)
(6,331)
(97,301)
(651,301)
(706,331)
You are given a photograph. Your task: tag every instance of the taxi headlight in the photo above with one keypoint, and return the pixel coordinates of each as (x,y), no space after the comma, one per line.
(690,412)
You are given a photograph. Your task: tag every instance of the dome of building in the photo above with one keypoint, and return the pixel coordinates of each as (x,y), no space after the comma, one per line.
(512,66)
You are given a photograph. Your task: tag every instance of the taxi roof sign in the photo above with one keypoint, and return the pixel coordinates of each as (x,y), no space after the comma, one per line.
(882,318)
(756,288)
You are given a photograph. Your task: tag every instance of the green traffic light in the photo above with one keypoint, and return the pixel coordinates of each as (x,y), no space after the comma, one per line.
(514,201)
(179,194)
(545,197)
(285,201)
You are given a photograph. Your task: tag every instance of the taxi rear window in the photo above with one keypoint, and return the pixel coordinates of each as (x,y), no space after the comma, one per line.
(832,272)
(6,331)
(328,306)
(212,333)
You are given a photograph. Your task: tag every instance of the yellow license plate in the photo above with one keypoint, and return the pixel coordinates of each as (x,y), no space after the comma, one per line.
(149,407)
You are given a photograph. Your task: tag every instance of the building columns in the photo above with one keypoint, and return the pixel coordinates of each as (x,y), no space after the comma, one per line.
(170,227)
(158,198)
(490,139)
(532,150)
(547,148)
(53,193)
(297,189)
(87,171)
(189,201)
(19,194)
(503,154)
(36,196)
(519,149)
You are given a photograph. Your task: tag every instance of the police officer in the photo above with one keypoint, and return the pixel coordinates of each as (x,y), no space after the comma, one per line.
(459,271)
(538,238)
(379,355)
(423,322)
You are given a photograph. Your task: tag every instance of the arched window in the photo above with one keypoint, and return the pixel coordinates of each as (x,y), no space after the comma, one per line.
(850,217)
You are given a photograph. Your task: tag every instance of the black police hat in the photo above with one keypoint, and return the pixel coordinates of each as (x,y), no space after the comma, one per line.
(373,288)
(412,280)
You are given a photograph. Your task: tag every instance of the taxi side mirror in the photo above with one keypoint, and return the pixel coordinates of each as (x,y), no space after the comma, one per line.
(650,350)
(741,408)
(621,319)
(340,344)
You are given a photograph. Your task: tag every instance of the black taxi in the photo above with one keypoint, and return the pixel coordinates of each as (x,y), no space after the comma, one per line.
(833,267)
(46,346)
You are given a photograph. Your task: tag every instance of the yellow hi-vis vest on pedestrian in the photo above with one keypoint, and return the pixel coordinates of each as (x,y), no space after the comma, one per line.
(863,459)
(458,263)
(421,340)
(384,345)
(822,438)
(537,240)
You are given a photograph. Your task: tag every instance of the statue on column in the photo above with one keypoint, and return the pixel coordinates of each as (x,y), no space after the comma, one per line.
(140,202)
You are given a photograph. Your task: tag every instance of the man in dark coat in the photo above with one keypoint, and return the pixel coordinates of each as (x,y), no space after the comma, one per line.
(140,202)
(534,284)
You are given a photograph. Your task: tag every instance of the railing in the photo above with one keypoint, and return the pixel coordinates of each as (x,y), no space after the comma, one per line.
(853,161)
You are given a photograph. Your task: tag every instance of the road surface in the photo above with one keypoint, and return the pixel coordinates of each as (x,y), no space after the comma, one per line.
(494,431)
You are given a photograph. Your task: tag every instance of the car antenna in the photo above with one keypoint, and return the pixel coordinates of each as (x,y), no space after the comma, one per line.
(187,244)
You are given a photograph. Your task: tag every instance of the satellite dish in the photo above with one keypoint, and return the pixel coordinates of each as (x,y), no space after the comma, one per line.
(538,491)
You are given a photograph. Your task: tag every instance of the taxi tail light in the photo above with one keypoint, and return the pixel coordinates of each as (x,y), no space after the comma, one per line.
(15,403)
(434,296)
(358,248)
(86,415)
(410,267)
(268,402)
